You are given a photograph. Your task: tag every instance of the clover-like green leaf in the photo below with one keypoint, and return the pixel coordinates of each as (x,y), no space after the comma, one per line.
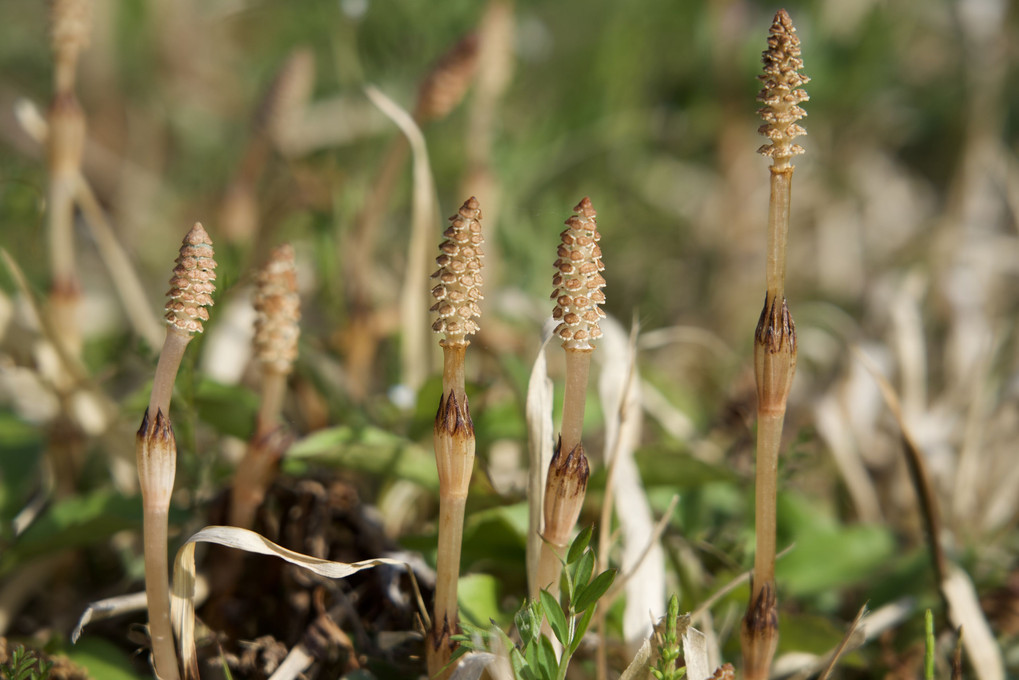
(579,545)
(594,590)
(555,616)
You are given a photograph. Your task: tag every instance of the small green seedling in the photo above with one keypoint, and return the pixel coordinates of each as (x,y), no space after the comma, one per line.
(535,657)
(667,641)
(23,665)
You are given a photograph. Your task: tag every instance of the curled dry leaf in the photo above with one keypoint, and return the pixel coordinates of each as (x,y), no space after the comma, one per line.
(184,579)
(413,310)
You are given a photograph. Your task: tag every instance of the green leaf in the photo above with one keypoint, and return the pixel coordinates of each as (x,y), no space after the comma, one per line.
(566,584)
(579,545)
(74,522)
(595,589)
(666,465)
(826,560)
(501,634)
(230,409)
(521,669)
(463,648)
(532,655)
(582,572)
(102,659)
(368,449)
(555,616)
(528,622)
(21,450)
(547,660)
(478,595)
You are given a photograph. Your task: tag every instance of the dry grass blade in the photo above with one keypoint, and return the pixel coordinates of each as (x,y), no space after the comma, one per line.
(964,612)
(540,436)
(108,608)
(640,667)
(957,589)
(917,467)
(123,604)
(414,350)
(70,362)
(844,644)
(834,426)
(656,534)
(297,662)
(642,558)
(695,654)
(887,617)
(36,504)
(118,264)
(475,665)
(184,578)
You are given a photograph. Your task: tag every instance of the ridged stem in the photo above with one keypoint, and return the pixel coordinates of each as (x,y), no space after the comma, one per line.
(454,451)
(453,368)
(60,202)
(769,439)
(778,229)
(447,577)
(157,592)
(156,458)
(274,390)
(258,468)
(166,370)
(578,366)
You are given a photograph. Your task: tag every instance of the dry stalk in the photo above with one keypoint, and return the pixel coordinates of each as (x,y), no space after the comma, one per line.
(457,295)
(118,264)
(278,309)
(191,288)
(775,338)
(439,93)
(493,76)
(578,283)
(70,25)
(277,117)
